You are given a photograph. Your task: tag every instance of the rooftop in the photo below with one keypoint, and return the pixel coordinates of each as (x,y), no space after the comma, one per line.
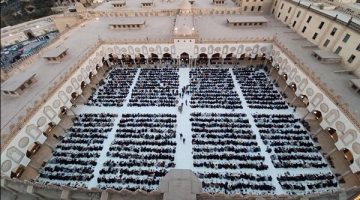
(160,4)
(13,83)
(240,19)
(54,52)
(342,16)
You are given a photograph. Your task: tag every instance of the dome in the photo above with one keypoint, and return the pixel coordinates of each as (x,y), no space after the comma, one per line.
(185,5)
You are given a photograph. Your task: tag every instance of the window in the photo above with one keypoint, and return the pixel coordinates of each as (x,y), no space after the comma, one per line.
(333,31)
(321,25)
(314,36)
(308,20)
(289,10)
(304,29)
(252,8)
(346,38)
(326,43)
(259,8)
(337,51)
(245,8)
(351,58)
(294,24)
(282,5)
(358,47)
(279,15)
(298,14)
(275,3)
(272,12)
(286,18)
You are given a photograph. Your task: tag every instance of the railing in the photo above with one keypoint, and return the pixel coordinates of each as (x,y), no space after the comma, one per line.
(316,80)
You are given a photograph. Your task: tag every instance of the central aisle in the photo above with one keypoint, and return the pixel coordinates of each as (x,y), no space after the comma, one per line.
(183,155)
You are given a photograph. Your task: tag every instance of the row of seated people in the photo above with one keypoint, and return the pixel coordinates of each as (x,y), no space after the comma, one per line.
(258,90)
(142,152)
(225,141)
(213,88)
(307,182)
(236,183)
(284,128)
(76,156)
(290,147)
(156,87)
(113,89)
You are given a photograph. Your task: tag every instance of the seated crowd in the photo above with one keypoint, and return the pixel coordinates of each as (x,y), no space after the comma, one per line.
(142,152)
(290,147)
(113,89)
(213,88)
(258,90)
(75,157)
(229,154)
(312,182)
(156,87)
(225,142)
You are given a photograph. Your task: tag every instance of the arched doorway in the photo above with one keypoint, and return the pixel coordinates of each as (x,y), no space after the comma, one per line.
(33,149)
(304,99)
(255,57)
(111,58)
(348,155)
(91,75)
(103,60)
(203,59)
(50,127)
(184,58)
(126,59)
(83,84)
(293,86)
(271,59)
(63,111)
(263,56)
(215,59)
(74,96)
(140,59)
(332,133)
(18,171)
(167,58)
(229,59)
(317,114)
(242,57)
(154,58)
